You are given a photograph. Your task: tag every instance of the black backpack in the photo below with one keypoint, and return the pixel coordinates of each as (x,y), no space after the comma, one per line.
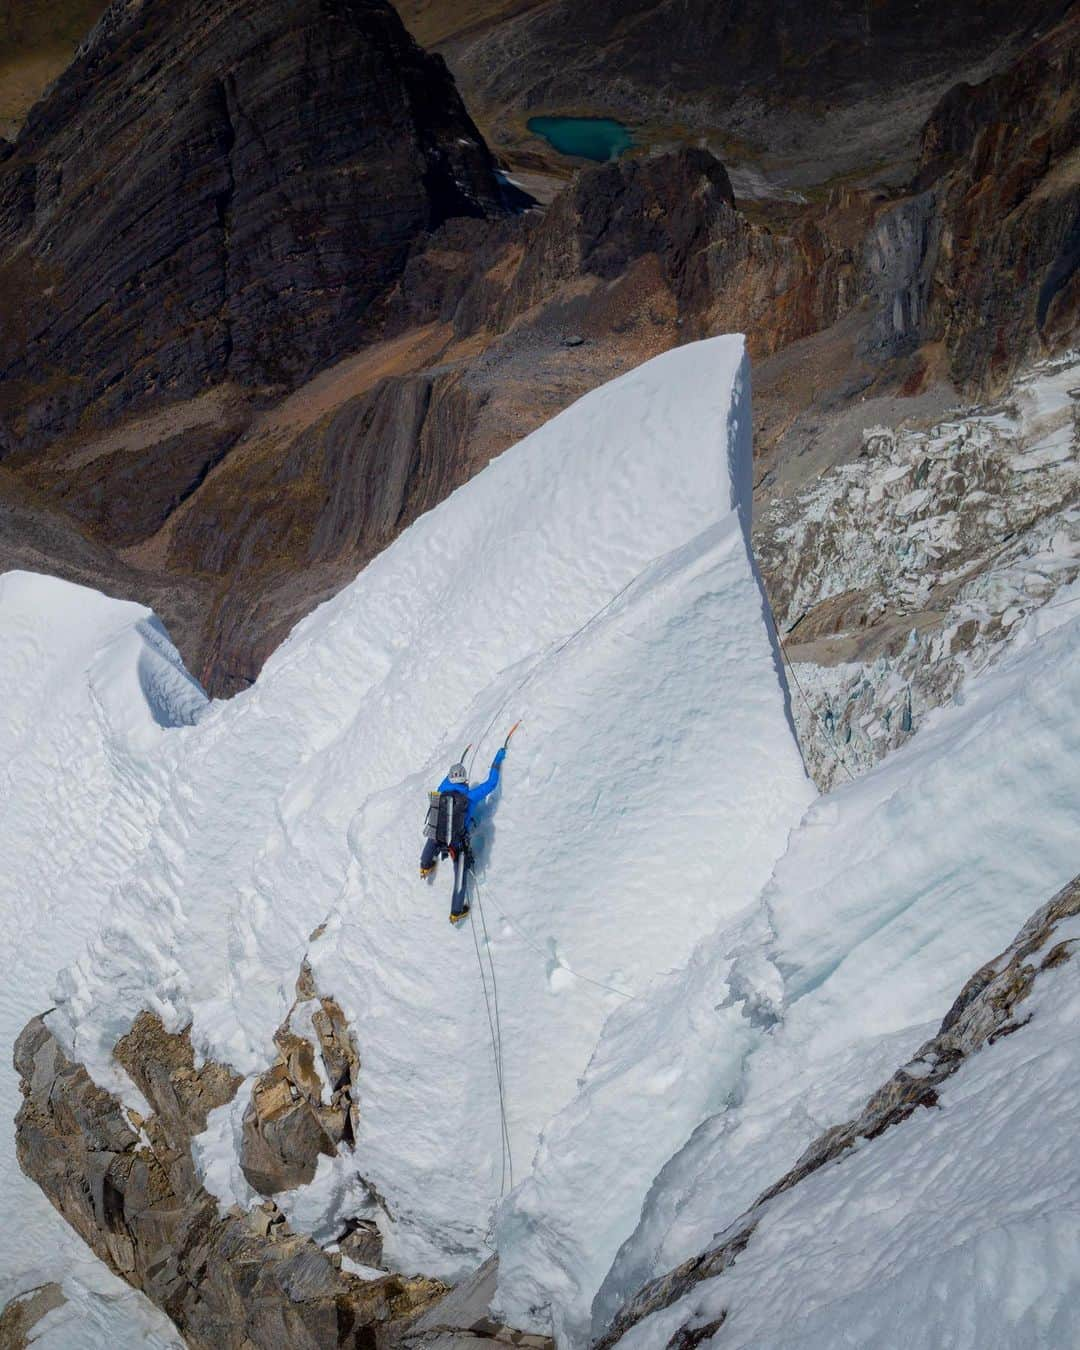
(446,816)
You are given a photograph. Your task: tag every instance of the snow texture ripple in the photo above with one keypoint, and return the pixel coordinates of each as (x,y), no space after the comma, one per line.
(595,580)
(700,965)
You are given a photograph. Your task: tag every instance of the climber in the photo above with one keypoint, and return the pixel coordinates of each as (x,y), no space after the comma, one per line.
(449,821)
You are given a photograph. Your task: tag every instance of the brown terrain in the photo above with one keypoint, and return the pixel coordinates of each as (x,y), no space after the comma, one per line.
(793,94)
(239,361)
(37,42)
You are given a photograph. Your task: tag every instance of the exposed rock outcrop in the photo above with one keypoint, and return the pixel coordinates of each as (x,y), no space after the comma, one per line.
(989,1007)
(127,1185)
(287,160)
(1002,159)
(661,232)
(306,1104)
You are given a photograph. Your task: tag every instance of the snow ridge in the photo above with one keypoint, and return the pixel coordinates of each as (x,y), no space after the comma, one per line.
(656,756)
(655,832)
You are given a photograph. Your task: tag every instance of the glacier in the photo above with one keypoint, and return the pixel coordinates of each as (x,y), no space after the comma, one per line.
(596,581)
(700,963)
(893,890)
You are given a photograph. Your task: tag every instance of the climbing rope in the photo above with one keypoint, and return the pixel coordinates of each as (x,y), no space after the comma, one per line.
(586,979)
(495,1027)
(491,1003)
(556,651)
(498,1028)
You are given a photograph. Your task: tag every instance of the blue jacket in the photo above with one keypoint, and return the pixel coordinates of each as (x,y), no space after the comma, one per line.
(475,794)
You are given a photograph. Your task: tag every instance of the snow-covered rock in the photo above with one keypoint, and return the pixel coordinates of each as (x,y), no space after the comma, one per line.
(898,578)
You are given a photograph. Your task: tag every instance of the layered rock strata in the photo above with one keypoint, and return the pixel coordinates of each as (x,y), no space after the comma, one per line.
(218,190)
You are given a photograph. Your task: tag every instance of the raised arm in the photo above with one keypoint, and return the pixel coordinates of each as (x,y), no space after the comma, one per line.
(485,789)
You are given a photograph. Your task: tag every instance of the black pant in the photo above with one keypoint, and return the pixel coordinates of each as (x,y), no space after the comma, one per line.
(463,862)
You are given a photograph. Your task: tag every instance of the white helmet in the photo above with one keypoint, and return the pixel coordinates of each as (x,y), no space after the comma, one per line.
(458,774)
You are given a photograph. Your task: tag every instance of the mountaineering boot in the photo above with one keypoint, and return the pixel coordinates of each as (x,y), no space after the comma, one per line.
(457,918)
(427,871)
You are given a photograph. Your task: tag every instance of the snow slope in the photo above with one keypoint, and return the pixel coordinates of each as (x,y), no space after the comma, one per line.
(699,966)
(596,581)
(93,691)
(961,1227)
(892,892)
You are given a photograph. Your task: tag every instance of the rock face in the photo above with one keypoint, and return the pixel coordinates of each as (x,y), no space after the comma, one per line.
(306,1104)
(239,1280)
(128,1187)
(287,159)
(989,1007)
(1001,161)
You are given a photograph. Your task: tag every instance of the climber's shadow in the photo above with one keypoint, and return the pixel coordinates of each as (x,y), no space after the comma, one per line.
(483,832)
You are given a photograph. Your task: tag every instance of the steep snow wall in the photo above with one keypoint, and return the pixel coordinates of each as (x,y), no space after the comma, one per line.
(699,966)
(892,891)
(596,581)
(93,694)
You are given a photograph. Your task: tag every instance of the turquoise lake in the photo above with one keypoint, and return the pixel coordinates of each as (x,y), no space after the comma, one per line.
(598,138)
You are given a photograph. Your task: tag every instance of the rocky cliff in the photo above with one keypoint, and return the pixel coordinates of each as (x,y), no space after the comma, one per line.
(286,161)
